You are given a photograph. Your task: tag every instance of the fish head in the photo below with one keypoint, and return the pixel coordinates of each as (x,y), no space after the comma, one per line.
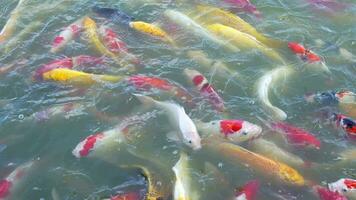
(342,186)
(326,194)
(296,48)
(248,191)
(349,125)
(193,141)
(324,98)
(84,148)
(196,77)
(239,130)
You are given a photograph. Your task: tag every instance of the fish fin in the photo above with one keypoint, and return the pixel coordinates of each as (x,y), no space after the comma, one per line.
(173,136)
(2,147)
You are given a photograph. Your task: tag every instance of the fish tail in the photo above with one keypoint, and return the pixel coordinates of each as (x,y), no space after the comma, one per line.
(273,43)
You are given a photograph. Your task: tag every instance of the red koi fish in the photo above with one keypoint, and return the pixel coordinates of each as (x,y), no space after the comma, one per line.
(304,53)
(296,136)
(10,184)
(207,90)
(246,6)
(148,82)
(347,124)
(67,35)
(126,196)
(67,63)
(344,186)
(248,191)
(326,194)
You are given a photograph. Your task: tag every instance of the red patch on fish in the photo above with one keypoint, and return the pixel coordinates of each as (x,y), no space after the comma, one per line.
(197,80)
(89,144)
(228,127)
(326,194)
(126,196)
(350,184)
(297,136)
(58,40)
(146,82)
(296,48)
(304,53)
(75,29)
(113,42)
(87,60)
(5,187)
(250,189)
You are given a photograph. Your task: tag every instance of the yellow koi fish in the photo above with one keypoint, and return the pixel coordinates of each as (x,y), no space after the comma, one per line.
(10,25)
(210,15)
(242,40)
(68,76)
(274,169)
(151,29)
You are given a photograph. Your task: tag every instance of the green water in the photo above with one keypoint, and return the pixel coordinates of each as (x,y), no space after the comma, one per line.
(52,141)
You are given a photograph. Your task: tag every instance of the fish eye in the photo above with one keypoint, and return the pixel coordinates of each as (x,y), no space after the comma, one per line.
(189,141)
(344,190)
(244,133)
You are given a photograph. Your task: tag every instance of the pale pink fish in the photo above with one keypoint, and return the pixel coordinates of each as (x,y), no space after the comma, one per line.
(58,110)
(68,34)
(245,5)
(329,5)
(326,194)
(205,88)
(10,184)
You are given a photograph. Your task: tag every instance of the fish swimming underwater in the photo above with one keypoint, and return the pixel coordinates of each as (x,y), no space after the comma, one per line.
(152,30)
(344,186)
(116,15)
(248,191)
(326,194)
(246,6)
(346,123)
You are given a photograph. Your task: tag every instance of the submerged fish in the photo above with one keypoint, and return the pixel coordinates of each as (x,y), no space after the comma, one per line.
(346,123)
(348,155)
(205,88)
(234,130)
(188,133)
(113,14)
(195,29)
(326,194)
(68,63)
(152,30)
(308,56)
(150,82)
(330,5)
(242,40)
(68,76)
(295,136)
(246,6)
(248,191)
(265,84)
(212,15)
(263,165)
(344,186)
(12,183)
(183,185)
(10,25)
(67,35)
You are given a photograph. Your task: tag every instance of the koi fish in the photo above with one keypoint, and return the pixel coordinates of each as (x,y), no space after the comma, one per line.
(10,25)
(346,123)
(326,194)
(307,55)
(348,155)
(242,40)
(182,185)
(125,196)
(246,6)
(205,88)
(188,133)
(345,187)
(148,82)
(115,45)
(331,5)
(271,150)
(152,30)
(67,35)
(68,76)
(194,28)
(10,184)
(212,15)
(248,191)
(294,135)
(234,130)
(212,65)
(263,165)
(68,63)
(115,15)
(264,84)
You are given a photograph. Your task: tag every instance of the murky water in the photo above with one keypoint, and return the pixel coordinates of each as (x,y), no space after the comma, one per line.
(51,141)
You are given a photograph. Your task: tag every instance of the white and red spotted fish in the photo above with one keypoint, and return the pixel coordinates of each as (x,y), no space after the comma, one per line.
(68,34)
(205,88)
(345,186)
(347,124)
(235,130)
(10,184)
(326,194)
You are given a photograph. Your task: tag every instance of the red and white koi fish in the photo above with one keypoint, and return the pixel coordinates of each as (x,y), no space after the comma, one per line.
(326,194)
(344,186)
(68,34)
(307,55)
(330,97)
(294,135)
(347,124)
(188,133)
(149,82)
(234,130)
(205,88)
(14,180)
(69,63)
(248,191)
(246,6)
